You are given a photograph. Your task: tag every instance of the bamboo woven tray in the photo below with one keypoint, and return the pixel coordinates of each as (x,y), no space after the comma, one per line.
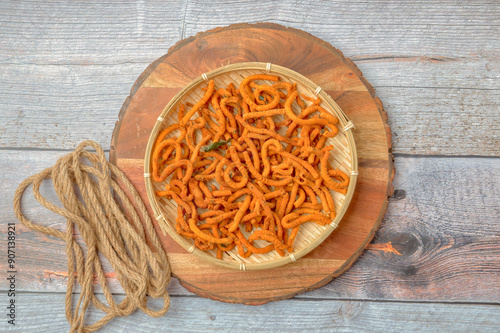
(343,157)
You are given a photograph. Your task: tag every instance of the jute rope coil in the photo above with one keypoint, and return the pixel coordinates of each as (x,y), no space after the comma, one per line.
(119,229)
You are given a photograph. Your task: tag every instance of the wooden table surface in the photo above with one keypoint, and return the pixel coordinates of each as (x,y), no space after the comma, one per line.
(434,264)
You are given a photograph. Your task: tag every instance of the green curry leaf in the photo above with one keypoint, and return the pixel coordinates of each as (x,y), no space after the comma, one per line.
(216,145)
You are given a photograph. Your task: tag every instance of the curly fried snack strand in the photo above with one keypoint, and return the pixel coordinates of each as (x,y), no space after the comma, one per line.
(329,182)
(261,178)
(232,183)
(234,102)
(250,246)
(241,249)
(269,237)
(166,132)
(239,215)
(181,113)
(312,206)
(304,164)
(197,193)
(301,199)
(221,193)
(292,237)
(277,147)
(245,91)
(164,144)
(202,235)
(329,200)
(221,217)
(310,193)
(171,168)
(325,119)
(272,93)
(259,114)
(210,213)
(255,153)
(340,176)
(293,219)
(293,196)
(199,104)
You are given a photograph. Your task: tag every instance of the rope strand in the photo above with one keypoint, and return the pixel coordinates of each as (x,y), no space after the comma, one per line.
(120,229)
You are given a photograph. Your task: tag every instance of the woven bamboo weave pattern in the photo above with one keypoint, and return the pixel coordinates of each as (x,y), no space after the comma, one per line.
(343,157)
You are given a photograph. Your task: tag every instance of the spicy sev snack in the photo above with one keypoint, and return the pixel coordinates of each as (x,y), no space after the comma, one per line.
(243,177)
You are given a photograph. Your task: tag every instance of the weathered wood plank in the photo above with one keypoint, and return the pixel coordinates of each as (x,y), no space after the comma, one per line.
(188,314)
(444,227)
(39,104)
(443,121)
(383,12)
(107,32)
(420,28)
(88,32)
(60,59)
(60,106)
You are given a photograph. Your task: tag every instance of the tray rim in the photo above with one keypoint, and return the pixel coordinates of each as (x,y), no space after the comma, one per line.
(268,68)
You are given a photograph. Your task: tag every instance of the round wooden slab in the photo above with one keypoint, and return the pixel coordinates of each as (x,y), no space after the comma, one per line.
(324,65)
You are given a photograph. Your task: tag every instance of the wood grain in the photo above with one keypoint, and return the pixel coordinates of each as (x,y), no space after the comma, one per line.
(44,117)
(338,77)
(444,225)
(447,235)
(89,32)
(79,61)
(188,314)
(65,69)
(107,33)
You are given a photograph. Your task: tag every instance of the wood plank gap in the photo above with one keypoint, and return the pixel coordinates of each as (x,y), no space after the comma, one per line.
(443,156)
(437,87)
(302,298)
(42,149)
(323,24)
(413,301)
(183,26)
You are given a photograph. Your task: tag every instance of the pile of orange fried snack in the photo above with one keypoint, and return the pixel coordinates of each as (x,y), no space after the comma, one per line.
(243,177)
